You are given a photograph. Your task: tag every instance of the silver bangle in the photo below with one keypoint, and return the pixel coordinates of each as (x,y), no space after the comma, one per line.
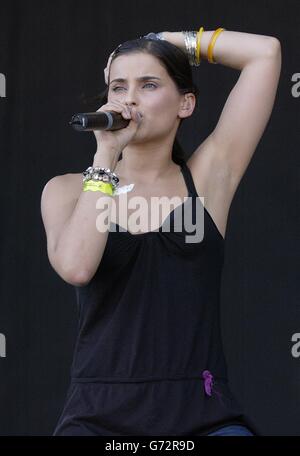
(97,173)
(190,40)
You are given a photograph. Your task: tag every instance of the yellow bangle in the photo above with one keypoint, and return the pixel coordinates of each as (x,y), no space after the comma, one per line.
(98,186)
(212,43)
(198,53)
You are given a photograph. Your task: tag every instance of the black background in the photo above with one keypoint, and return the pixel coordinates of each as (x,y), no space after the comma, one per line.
(53,52)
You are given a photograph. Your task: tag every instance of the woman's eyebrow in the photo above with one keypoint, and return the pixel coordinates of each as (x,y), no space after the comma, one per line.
(142,78)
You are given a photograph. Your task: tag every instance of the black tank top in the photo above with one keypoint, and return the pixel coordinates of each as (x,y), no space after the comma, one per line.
(149,359)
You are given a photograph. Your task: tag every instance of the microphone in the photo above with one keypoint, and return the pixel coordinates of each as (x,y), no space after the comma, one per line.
(102,120)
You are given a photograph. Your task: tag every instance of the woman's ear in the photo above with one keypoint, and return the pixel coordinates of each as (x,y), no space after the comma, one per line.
(187,105)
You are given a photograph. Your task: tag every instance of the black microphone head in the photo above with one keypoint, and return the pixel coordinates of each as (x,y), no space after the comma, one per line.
(75,121)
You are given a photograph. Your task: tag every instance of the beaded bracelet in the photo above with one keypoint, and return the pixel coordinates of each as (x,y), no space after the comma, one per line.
(97,173)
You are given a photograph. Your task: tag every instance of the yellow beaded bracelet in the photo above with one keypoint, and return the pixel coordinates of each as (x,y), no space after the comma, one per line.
(212,43)
(98,186)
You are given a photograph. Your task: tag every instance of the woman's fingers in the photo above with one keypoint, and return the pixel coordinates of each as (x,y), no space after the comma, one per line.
(117,107)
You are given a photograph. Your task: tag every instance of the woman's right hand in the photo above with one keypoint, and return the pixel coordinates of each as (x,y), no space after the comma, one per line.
(117,140)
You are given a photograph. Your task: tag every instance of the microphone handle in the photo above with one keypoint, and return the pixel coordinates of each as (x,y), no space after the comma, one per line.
(103,120)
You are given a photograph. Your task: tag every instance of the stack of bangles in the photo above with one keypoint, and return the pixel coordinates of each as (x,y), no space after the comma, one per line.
(193,45)
(192,40)
(102,179)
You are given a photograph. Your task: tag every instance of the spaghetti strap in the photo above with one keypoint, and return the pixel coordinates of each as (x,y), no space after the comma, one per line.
(192,191)
(188,179)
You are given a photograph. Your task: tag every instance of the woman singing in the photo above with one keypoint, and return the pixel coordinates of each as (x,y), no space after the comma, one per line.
(148,358)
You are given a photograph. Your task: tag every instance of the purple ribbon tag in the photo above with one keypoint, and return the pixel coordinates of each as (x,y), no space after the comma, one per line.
(208,381)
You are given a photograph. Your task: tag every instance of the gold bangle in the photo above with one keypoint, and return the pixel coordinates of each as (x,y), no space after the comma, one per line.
(98,186)
(212,43)
(198,53)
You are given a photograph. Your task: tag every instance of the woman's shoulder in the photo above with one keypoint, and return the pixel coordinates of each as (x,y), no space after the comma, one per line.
(67,184)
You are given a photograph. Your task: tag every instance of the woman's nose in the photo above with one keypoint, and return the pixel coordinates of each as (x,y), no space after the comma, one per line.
(130,97)
(129,105)
(129,100)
